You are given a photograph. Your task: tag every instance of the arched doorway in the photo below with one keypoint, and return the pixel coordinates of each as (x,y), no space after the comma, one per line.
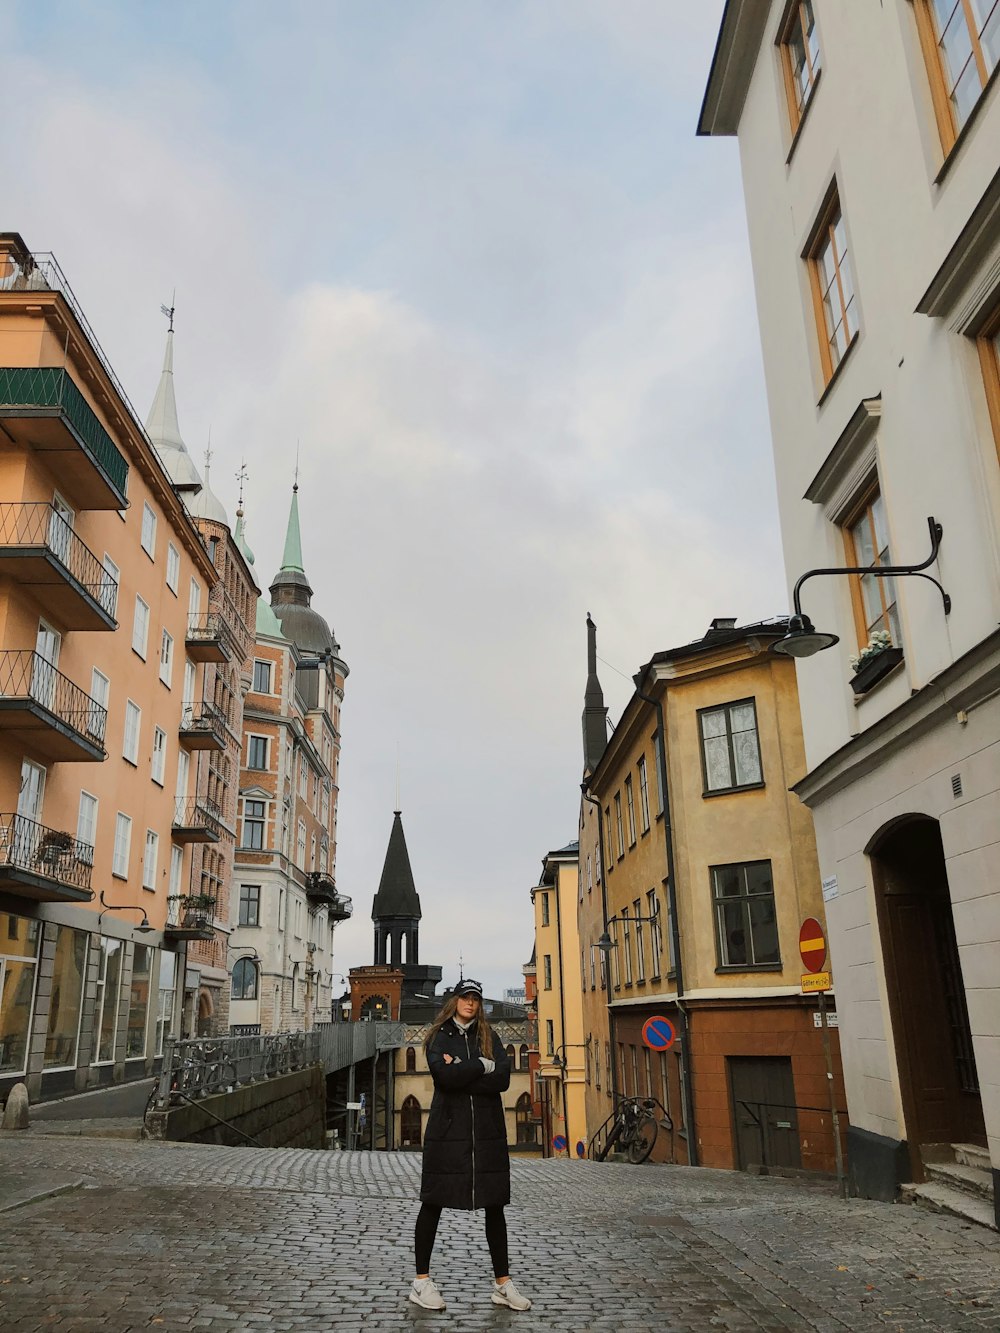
(939,1084)
(376,1008)
(409,1123)
(522,1118)
(205,1011)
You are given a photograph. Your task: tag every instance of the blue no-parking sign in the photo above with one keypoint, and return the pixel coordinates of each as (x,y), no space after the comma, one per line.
(659,1034)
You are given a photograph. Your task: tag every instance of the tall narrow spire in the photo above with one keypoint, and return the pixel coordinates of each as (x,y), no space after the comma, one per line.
(397,893)
(595,727)
(291,560)
(162,426)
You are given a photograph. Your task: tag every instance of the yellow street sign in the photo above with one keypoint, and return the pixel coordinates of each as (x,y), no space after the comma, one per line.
(815,981)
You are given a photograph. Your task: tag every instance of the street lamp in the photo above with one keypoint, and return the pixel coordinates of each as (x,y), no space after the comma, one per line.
(606,943)
(804,640)
(143,927)
(560,1060)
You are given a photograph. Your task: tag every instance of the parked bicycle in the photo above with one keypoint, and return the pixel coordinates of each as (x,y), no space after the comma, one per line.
(632,1128)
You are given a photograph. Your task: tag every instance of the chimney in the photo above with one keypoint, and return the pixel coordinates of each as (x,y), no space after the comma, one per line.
(595,727)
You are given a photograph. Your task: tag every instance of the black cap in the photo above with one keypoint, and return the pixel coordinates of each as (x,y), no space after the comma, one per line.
(469,987)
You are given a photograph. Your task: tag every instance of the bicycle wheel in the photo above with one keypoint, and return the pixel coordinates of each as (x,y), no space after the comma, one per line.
(642,1143)
(629,1129)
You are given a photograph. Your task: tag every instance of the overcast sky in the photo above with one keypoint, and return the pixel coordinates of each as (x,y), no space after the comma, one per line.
(474,259)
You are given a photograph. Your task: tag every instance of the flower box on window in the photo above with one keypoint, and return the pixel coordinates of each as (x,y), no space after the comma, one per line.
(875,668)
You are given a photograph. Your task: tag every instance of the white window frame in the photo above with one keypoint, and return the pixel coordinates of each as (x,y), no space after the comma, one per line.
(150,856)
(122,846)
(655,938)
(147,537)
(86,825)
(166,658)
(158,759)
(269,667)
(643,794)
(113,572)
(140,627)
(130,736)
(256,736)
(100,689)
(176,869)
(173,568)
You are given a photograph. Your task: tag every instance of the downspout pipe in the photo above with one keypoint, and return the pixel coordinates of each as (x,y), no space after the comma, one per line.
(562,1001)
(675,931)
(605,967)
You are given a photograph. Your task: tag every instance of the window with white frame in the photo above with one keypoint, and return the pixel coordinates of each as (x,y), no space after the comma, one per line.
(609,847)
(133,722)
(640,944)
(176,870)
(158,763)
(148,538)
(730,747)
(123,843)
(140,627)
(149,858)
(86,827)
(173,567)
(262,676)
(643,795)
(254,821)
(166,658)
(630,810)
(627,945)
(300,846)
(619,825)
(112,581)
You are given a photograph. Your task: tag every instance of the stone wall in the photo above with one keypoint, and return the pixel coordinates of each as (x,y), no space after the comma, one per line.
(284,1112)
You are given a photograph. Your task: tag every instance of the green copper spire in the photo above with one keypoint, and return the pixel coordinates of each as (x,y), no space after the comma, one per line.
(292,558)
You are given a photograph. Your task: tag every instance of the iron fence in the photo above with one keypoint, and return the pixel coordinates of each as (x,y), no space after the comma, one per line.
(204,717)
(343,1044)
(53,853)
(198,812)
(210,627)
(27,675)
(40,525)
(207,1065)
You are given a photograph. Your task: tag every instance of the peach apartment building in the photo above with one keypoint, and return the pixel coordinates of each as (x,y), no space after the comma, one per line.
(99,564)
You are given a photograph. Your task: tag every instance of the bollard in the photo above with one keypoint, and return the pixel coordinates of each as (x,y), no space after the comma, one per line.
(15,1115)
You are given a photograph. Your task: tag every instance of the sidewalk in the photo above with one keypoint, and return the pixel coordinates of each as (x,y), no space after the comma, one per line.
(182,1237)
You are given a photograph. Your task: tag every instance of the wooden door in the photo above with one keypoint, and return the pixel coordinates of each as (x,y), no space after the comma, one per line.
(764,1114)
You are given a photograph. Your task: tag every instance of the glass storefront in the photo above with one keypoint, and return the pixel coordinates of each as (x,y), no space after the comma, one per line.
(138,1005)
(69,973)
(106,1005)
(18,964)
(167,995)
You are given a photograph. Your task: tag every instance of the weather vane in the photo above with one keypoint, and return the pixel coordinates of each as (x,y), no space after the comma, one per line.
(241,477)
(169,310)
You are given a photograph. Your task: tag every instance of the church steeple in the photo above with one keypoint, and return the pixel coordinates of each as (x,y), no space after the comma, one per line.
(162,426)
(291,587)
(595,727)
(396,907)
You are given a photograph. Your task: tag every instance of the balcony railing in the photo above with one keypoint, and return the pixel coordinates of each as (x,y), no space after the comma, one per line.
(209,638)
(198,818)
(34,695)
(322,891)
(39,387)
(31,851)
(34,540)
(203,726)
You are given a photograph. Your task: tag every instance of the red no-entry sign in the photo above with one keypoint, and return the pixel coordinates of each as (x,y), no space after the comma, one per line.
(812,945)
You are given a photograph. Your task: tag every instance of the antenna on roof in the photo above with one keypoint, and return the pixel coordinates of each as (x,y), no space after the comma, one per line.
(208,454)
(397,806)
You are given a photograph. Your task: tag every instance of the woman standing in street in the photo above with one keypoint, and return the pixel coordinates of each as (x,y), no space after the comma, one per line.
(466,1163)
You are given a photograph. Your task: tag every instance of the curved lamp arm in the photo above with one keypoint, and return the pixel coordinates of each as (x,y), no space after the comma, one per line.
(883,571)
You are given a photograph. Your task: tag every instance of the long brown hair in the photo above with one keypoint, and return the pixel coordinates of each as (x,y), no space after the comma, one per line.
(448,1010)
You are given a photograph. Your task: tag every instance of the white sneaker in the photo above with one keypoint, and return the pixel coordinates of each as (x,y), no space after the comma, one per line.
(424,1292)
(509,1295)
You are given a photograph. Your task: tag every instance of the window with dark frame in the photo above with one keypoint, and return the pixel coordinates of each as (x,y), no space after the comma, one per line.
(254,818)
(547,971)
(249,905)
(545,909)
(262,677)
(257,752)
(745,916)
(801,58)
(619,826)
(730,746)
(245,979)
(630,810)
(643,794)
(832,282)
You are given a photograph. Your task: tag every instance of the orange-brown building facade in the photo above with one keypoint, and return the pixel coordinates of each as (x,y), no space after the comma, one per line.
(701,884)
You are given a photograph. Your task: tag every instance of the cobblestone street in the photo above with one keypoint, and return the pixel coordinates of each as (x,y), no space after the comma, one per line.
(191,1237)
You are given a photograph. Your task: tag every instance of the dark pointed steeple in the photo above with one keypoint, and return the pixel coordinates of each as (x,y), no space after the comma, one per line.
(397,894)
(595,727)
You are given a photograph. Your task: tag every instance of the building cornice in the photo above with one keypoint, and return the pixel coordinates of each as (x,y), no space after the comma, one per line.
(964,287)
(957,690)
(852,457)
(733,61)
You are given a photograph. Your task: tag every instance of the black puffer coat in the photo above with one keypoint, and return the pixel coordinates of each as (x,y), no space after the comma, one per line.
(466,1164)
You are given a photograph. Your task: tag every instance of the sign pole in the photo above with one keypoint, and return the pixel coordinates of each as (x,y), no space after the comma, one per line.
(827,1055)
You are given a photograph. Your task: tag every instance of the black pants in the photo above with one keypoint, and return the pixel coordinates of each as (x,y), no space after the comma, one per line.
(496,1237)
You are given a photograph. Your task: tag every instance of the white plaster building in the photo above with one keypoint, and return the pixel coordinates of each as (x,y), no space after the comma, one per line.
(869,140)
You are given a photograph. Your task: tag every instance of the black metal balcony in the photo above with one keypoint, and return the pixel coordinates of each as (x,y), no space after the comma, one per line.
(43,709)
(39,549)
(41,406)
(322,892)
(209,638)
(203,727)
(43,863)
(196,819)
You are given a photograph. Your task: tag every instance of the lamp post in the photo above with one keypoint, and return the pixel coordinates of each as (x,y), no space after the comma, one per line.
(804,640)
